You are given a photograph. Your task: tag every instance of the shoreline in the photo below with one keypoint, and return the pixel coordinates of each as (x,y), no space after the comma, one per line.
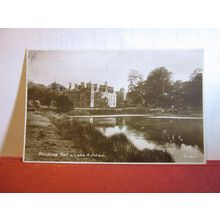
(51,135)
(138,115)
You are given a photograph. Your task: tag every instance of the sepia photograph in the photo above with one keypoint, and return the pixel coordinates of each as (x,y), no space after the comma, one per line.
(115,106)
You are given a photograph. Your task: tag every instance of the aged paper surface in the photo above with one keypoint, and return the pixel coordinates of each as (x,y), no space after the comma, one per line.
(114,106)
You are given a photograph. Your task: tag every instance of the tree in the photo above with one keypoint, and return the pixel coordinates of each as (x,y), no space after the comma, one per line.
(42,93)
(134,80)
(36,91)
(100,102)
(63,103)
(135,87)
(193,89)
(157,87)
(176,95)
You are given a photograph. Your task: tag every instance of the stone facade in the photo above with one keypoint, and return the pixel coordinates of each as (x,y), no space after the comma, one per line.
(91,95)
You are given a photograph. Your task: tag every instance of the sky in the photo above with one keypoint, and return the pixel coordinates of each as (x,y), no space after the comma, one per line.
(98,66)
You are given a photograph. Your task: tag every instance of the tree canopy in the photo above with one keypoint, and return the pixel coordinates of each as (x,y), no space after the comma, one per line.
(157,87)
(135,89)
(158,90)
(63,103)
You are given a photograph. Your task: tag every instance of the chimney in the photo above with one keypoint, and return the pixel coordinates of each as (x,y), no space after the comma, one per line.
(70,85)
(82,85)
(88,85)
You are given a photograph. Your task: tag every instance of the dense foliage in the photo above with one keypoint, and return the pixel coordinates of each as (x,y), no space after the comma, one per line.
(158,90)
(47,97)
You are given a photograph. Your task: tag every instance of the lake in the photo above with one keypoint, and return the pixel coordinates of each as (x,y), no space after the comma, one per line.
(182,137)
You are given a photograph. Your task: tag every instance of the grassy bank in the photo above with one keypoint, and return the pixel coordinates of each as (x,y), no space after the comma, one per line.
(44,143)
(116,148)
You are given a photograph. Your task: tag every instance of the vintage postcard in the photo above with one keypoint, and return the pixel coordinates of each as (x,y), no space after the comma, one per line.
(115,106)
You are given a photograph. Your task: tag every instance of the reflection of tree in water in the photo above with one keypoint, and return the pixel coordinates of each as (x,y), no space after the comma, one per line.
(165,131)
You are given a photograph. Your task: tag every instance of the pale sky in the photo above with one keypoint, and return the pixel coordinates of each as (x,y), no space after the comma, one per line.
(98,66)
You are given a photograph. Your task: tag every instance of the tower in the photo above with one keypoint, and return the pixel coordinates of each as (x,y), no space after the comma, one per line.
(92,96)
(122,91)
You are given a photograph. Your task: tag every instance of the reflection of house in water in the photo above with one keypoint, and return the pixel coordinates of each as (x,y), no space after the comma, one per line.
(98,121)
(104,121)
(85,119)
(92,95)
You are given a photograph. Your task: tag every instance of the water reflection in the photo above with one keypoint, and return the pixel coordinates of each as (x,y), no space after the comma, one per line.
(137,138)
(182,138)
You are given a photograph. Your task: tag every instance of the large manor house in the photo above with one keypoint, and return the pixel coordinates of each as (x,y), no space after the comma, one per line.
(93,95)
